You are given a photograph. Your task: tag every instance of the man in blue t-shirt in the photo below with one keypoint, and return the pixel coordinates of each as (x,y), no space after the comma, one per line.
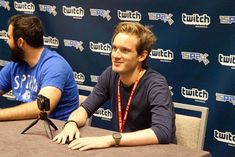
(35,70)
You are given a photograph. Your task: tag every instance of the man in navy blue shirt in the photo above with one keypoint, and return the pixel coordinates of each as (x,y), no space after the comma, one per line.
(141,101)
(35,70)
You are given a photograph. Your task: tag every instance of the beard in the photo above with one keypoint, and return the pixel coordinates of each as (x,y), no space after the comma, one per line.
(17,54)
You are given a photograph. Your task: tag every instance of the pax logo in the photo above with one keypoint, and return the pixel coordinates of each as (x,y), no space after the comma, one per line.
(94,78)
(5,5)
(225,98)
(101,12)
(161,16)
(48,8)
(227,19)
(200,57)
(74,43)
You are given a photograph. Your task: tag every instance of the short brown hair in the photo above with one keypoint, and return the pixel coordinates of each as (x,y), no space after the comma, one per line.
(145,35)
(29,28)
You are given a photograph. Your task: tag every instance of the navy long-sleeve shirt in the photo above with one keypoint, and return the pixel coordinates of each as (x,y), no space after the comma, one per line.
(151,106)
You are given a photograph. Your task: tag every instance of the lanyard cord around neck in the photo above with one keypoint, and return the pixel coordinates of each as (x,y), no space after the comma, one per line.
(121,121)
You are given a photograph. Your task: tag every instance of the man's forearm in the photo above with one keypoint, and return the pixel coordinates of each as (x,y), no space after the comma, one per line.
(142,137)
(23,111)
(80,116)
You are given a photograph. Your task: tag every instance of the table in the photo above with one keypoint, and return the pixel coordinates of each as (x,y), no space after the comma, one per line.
(35,143)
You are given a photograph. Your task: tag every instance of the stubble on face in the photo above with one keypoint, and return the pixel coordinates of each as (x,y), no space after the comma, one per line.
(124,55)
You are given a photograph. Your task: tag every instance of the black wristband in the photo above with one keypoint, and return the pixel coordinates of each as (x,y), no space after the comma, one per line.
(69,122)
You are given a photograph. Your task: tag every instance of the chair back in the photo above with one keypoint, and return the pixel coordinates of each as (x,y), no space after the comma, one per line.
(190,130)
(82,98)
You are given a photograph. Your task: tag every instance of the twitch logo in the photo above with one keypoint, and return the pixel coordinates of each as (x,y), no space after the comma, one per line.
(196,20)
(24,7)
(225,137)
(162,55)
(50,41)
(77,13)
(104,114)
(161,16)
(79,77)
(100,47)
(129,15)
(227,60)
(194,93)
(101,12)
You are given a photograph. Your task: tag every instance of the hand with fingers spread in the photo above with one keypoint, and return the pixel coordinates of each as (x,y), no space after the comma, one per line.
(86,143)
(68,134)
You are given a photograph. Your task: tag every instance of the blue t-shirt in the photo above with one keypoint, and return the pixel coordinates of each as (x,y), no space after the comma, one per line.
(51,70)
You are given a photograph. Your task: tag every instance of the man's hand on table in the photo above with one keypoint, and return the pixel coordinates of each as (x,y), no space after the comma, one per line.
(86,143)
(81,143)
(68,134)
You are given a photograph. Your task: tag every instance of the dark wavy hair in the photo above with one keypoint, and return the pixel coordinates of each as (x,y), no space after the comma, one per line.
(29,28)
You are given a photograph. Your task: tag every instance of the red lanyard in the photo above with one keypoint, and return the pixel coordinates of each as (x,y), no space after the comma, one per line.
(120,121)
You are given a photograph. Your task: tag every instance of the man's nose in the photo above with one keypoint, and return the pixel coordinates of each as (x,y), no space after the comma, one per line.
(116,53)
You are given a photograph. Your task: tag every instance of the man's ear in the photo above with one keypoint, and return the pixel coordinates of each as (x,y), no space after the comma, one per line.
(20,42)
(143,55)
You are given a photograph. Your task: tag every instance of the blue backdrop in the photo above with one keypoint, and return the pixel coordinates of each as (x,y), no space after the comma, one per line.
(194,51)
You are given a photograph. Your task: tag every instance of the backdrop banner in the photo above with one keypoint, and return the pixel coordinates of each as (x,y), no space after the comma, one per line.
(195,51)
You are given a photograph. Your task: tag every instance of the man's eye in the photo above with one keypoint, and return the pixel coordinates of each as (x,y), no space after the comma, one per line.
(125,50)
(114,48)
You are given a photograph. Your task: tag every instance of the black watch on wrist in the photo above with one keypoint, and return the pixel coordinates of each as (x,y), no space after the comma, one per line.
(117,138)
